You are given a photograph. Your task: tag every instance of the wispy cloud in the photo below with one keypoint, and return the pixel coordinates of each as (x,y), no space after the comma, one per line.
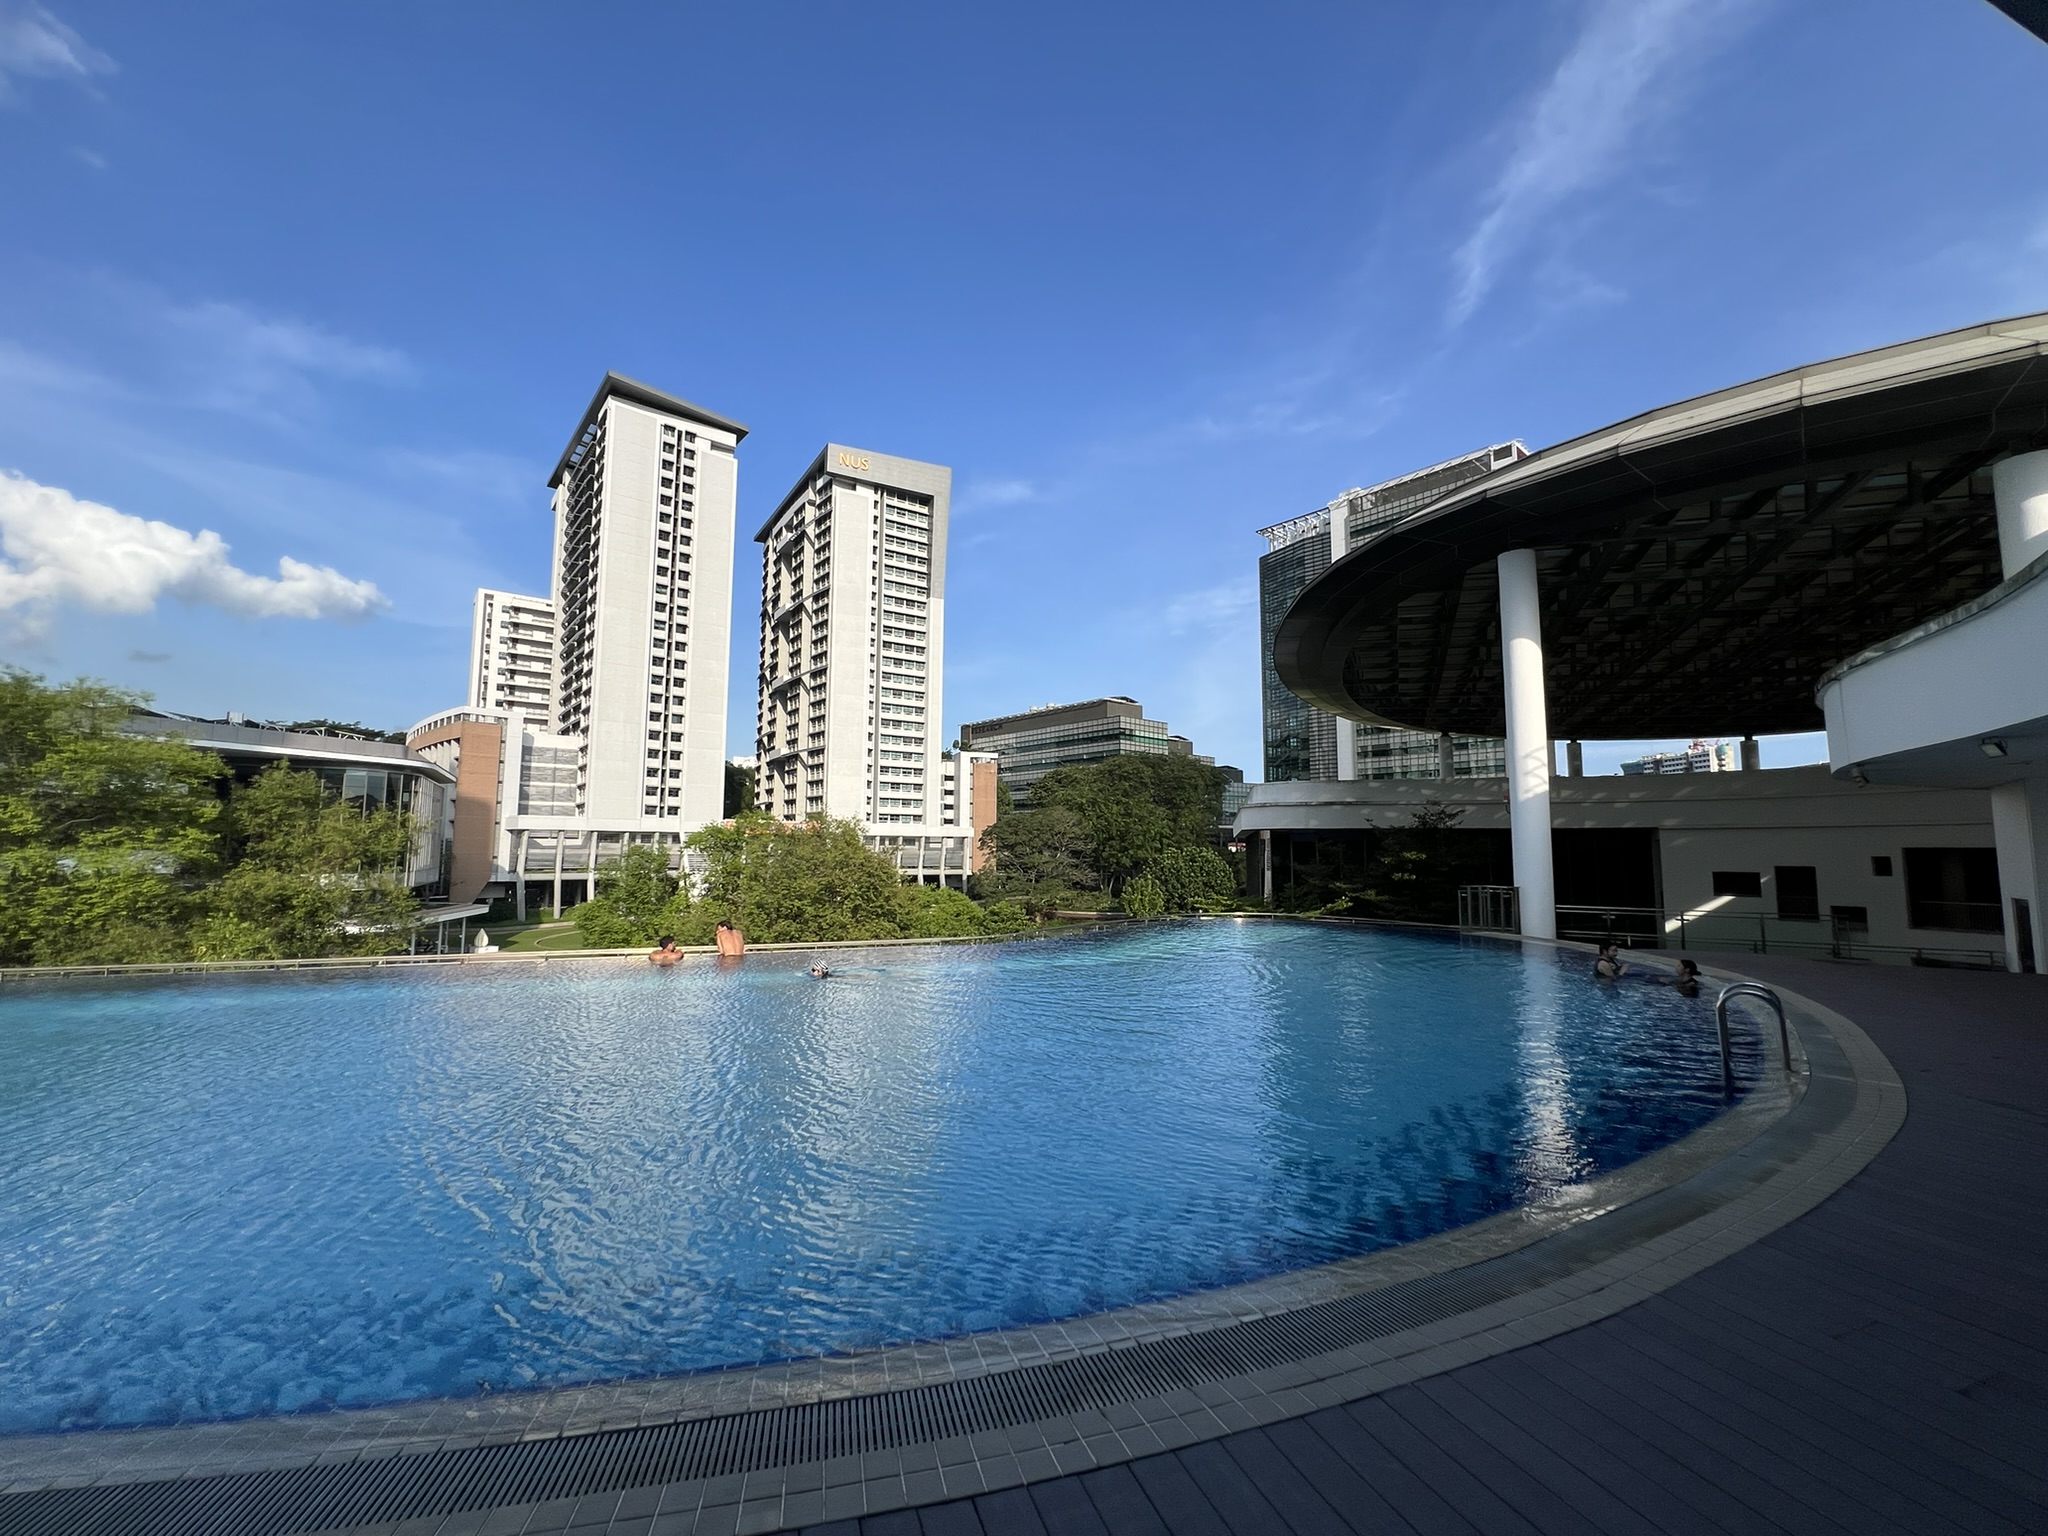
(1212,609)
(985,495)
(249,363)
(57,550)
(35,45)
(1628,63)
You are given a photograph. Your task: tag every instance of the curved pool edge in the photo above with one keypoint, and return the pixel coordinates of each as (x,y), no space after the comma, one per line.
(917,1423)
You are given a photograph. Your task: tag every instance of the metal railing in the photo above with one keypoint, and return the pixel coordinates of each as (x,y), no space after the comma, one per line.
(1763,994)
(1490,908)
(1757,933)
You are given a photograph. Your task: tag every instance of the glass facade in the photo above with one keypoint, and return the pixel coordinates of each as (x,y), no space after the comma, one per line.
(1029,748)
(1300,740)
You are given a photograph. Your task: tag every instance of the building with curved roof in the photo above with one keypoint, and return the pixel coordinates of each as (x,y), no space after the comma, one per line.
(1704,568)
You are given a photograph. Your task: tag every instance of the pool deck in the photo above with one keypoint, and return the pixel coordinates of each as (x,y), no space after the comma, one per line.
(1839,1327)
(1879,1365)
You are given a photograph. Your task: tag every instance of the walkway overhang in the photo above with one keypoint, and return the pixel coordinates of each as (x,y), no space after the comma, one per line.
(1702,565)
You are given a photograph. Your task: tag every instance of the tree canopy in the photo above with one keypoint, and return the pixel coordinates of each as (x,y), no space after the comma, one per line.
(778,882)
(118,847)
(1098,828)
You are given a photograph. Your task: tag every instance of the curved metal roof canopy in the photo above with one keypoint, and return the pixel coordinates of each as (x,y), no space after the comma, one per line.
(1701,565)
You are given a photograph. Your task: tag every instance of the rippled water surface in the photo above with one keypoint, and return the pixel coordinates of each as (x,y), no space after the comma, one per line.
(260,1194)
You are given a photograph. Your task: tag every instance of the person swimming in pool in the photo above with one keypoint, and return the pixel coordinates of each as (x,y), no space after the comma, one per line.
(731,942)
(820,972)
(665,951)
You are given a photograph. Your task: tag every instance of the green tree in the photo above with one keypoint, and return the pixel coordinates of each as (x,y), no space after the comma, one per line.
(1097,825)
(1142,897)
(310,876)
(939,912)
(739,789)
(637,901)
(1038,857)
(104,835)
(1193,879)
(795,883)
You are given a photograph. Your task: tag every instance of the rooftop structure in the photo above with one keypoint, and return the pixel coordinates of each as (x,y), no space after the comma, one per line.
(1860,542)
(1700,757)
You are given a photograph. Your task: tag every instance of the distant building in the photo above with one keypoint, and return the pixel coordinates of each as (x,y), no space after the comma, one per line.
(1700,757)
(512,655)
(852,680)
(1303,742)
(1030,745)
(359,771)
(595,716)
(644,509)
(853,591)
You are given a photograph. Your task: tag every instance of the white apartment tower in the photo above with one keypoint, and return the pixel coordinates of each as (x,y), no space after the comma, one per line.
(644,533)
(512,655)
(853,592)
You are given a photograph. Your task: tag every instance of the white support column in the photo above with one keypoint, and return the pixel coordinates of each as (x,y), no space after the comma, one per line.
(2019,811)
(2019,829)
(1521,646)
(2019,486)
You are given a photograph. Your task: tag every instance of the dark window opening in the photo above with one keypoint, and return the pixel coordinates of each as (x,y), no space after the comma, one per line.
(1798,892)
(1954,889)
(1881,865)
(1738,882)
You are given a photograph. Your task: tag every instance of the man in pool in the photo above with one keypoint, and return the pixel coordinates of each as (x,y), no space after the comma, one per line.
(665,952)
(820,972)
(1609,967)
(731,942)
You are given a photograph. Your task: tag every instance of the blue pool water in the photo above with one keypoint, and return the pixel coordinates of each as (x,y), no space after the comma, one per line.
(282,1192)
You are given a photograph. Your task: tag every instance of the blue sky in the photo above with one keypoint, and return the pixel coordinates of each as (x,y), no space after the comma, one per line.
(333,282)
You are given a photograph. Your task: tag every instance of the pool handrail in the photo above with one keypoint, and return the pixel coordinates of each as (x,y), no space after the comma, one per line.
(1757,990)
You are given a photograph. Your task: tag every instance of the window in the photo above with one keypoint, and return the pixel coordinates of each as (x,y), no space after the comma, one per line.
(1881,865)
(1798,892)
(1738,882)
(1954,889)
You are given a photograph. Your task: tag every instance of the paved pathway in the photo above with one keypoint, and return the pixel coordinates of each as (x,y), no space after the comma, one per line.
(1879,1366)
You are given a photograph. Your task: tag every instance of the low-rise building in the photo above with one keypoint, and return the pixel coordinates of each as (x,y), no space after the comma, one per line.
(359,770)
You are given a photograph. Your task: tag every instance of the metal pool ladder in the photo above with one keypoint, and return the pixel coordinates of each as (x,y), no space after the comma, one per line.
(1756,990)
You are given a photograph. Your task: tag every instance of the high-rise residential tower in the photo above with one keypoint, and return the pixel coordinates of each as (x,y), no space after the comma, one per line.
(1303,742)
(644,531)
(853,593)
(512,655)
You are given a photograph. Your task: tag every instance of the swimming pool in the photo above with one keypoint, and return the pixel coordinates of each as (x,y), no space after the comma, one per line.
(252,1194)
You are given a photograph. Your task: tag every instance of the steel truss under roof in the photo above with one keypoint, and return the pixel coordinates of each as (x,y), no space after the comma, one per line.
(1701,565)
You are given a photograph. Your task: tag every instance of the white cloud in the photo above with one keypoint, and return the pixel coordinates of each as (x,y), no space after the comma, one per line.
(56,549)
(255,364)
(1589,118)
(36,45)
(980,495)
(1211,609)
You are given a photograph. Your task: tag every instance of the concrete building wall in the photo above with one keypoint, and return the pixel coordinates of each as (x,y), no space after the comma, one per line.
(646,641)
(1754,822)
(512,654)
